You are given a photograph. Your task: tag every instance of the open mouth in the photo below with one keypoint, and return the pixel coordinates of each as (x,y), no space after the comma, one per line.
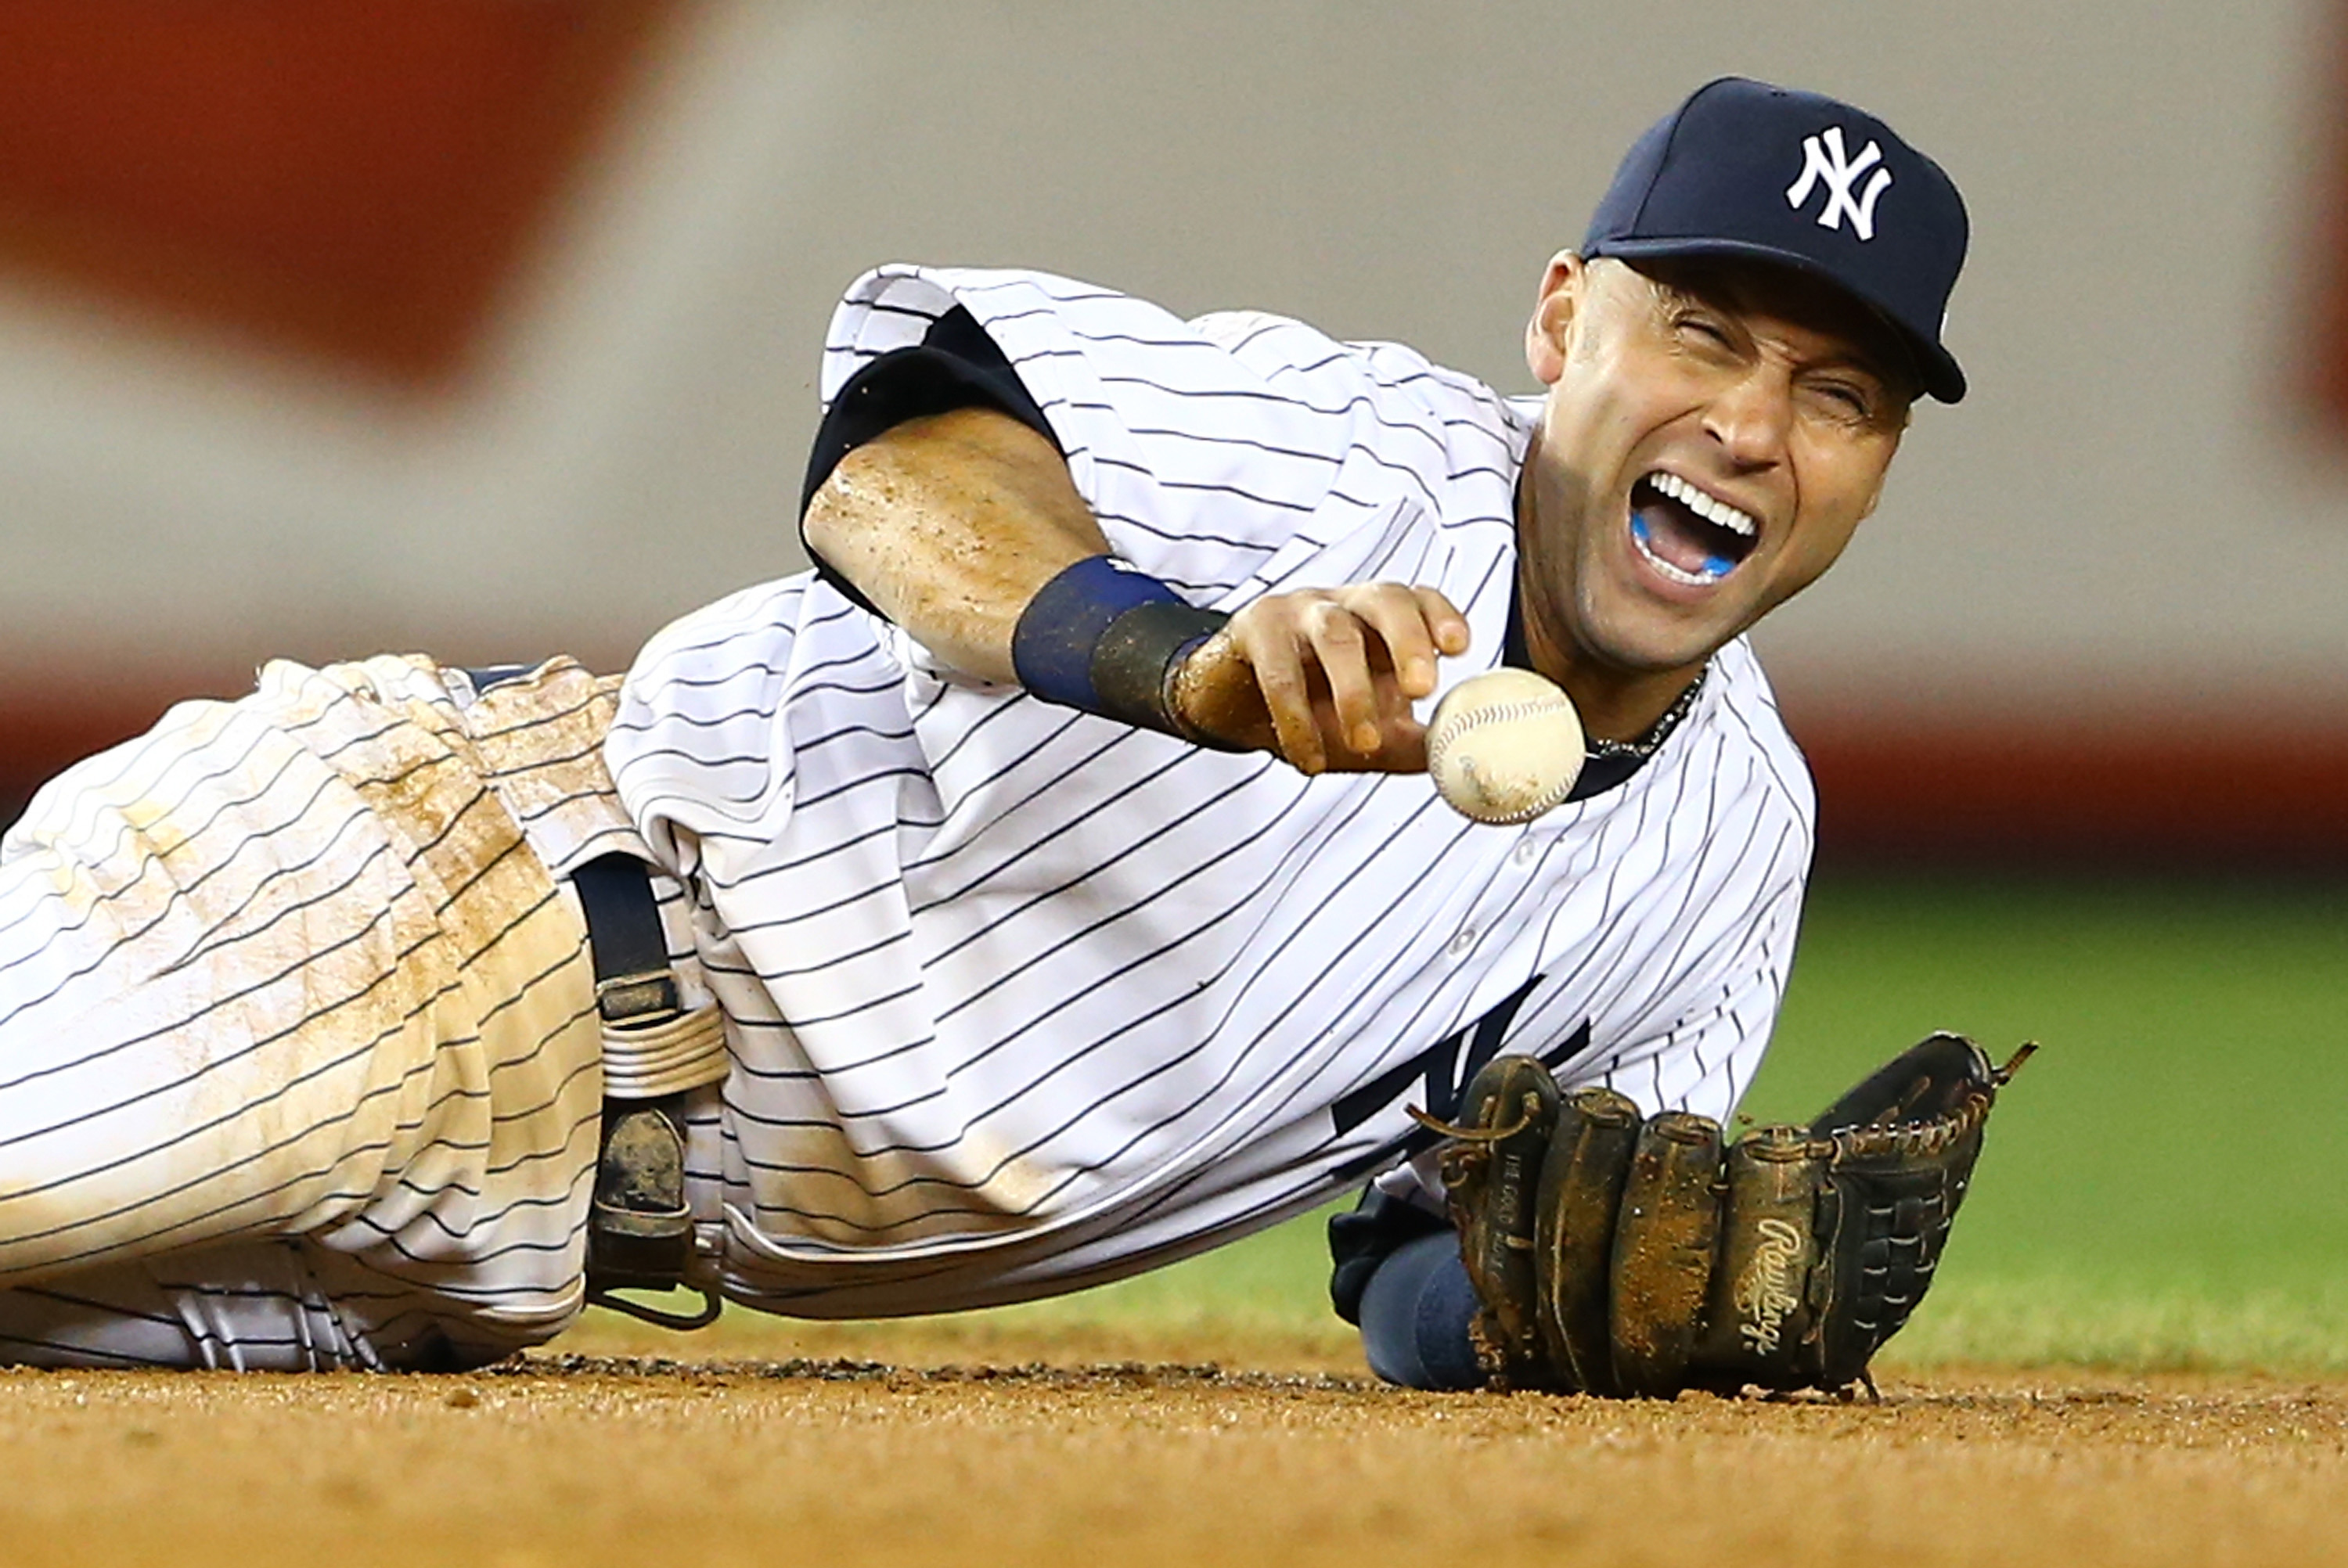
(1687,536)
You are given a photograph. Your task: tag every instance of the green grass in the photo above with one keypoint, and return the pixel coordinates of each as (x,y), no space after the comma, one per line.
(2163,1187)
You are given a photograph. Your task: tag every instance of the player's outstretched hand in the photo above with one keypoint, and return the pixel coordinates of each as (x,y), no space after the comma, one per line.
(1324,677)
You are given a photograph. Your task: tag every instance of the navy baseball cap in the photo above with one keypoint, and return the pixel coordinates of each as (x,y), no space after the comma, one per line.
(1745,169)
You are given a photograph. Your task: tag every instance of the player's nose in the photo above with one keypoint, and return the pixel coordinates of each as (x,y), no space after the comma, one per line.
(1752,415)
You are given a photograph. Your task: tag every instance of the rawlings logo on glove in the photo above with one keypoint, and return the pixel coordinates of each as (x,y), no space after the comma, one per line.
(1764,1297)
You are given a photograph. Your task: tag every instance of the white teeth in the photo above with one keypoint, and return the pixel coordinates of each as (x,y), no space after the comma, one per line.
(1710,510)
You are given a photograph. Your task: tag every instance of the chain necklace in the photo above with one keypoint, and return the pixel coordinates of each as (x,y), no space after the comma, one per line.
(1640,749)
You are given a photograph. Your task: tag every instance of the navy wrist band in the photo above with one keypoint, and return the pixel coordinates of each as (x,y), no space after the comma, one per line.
(1103,638)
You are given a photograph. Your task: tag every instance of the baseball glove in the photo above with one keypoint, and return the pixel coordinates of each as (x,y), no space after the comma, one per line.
(1635,1256)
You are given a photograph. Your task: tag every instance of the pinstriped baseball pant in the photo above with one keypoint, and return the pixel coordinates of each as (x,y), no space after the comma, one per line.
(299,1064)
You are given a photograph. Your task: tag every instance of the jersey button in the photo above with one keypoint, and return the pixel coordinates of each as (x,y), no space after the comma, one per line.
(1524,852)
(1464,943)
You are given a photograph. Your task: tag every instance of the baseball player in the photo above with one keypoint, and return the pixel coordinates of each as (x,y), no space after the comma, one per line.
(1046,888)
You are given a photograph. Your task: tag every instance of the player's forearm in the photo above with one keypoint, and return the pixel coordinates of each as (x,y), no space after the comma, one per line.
(953,525)
(949,525)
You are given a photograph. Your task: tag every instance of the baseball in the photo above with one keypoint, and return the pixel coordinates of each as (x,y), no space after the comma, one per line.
(1504,746)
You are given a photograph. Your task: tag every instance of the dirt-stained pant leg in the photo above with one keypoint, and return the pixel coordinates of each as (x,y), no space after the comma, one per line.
(297,1042)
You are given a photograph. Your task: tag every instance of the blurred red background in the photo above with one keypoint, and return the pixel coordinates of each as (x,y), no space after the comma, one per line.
(364,183)
(339,177)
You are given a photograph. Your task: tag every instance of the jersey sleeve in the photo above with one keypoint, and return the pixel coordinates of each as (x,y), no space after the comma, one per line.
(1204,449)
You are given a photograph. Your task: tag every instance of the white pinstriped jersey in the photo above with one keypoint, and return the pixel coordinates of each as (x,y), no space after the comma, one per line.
(1022,999)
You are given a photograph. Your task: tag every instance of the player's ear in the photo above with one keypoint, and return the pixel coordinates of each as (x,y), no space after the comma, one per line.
(1875,496)
(1874,499)
(1552,319)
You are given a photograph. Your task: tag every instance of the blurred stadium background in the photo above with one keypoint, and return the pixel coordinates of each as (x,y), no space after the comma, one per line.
(488,328)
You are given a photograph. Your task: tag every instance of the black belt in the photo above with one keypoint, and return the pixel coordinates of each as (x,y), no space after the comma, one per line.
(639,1225)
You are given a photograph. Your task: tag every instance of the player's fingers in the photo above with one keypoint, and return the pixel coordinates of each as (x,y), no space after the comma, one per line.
(1395,614)
(1402,747)
(1444,623)
(1275,651)
(1340,648)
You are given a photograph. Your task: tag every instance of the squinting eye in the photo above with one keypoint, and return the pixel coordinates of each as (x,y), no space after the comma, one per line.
(1705,329)
(1850,400)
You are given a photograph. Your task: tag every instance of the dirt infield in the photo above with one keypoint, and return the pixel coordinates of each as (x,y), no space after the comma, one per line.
(579,1461)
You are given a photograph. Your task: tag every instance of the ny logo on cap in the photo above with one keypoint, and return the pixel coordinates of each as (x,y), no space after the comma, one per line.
(1824,160)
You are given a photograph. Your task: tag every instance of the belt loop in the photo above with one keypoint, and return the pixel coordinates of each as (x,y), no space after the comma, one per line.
(640,1225)
(653,1048)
